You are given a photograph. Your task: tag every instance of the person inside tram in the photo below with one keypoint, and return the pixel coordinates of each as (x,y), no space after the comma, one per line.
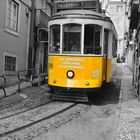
(97,50)
(76,46)
(57,46)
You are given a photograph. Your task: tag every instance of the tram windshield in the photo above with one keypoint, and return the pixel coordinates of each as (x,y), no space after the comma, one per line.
(71,39)
(54,39)
(92,39)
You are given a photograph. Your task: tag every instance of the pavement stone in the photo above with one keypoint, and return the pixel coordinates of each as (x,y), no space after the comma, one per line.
(129,119)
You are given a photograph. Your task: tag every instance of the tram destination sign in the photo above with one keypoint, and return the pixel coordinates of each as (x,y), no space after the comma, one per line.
(78,4)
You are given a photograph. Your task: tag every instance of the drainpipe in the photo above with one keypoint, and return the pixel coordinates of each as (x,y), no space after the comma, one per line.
(28,36)
(31,37)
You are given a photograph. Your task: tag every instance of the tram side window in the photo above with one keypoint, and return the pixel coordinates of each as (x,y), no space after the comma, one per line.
(71,39)
(92,39)
(105,41)
(54,39)
(114,47)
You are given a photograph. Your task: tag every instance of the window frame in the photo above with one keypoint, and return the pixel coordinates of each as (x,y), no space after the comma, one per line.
(8,28)
(10,55)
(101,40)
(81,41)
(50,39)
(62,38)
(119,8)
(106,41)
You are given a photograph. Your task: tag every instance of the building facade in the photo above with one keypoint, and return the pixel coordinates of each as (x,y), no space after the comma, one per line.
(117,11)
(42,12)
(60,5)
(133,43)
(133,36)
(14,37)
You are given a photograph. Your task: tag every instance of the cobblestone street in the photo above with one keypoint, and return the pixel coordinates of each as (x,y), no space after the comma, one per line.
(114,114)
(69,69)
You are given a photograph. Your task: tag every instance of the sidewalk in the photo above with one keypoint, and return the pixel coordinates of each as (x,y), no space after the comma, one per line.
(28,92)
(129,121)
(13,89)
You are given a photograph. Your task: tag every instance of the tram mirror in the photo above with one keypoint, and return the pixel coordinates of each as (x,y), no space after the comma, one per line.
(42,35)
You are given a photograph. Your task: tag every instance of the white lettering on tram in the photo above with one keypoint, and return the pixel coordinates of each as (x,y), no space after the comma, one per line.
(69,66)
(71,63)
(72,59)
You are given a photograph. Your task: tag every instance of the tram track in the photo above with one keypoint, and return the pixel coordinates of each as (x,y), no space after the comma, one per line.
(9,130)
(25,110)
(25,105)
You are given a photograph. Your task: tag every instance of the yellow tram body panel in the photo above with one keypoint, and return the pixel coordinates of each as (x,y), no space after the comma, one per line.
(89,71)
(111,67)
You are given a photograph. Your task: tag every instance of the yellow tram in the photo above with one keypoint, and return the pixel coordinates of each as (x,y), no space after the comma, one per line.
(82,50)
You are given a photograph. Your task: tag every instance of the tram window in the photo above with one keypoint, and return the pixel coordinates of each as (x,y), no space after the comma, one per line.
(54,39)
(114,47)
(105,41)
(71,39)
(92,39)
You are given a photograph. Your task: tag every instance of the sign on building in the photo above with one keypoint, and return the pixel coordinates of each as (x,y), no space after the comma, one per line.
(93,5)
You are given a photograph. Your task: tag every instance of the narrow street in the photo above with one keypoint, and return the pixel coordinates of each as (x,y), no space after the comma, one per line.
(113,114)
(57,58)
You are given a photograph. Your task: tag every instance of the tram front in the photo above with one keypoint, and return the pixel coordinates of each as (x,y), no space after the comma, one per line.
(76,59)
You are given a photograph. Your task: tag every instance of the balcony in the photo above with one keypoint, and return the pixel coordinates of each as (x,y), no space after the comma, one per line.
(41,19)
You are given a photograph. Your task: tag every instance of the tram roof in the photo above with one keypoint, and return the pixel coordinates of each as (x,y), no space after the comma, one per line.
(80,14)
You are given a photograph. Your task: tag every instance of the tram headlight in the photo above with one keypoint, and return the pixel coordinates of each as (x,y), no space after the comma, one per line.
(70,74)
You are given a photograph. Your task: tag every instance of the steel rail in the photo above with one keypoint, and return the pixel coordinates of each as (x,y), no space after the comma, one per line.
(38,121)
(20,112)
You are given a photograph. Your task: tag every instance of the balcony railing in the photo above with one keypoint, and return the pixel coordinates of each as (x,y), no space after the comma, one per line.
(41,18)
